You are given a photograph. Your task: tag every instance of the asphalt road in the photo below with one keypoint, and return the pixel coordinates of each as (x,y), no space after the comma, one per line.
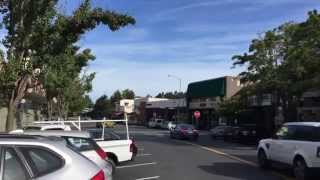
(163,158)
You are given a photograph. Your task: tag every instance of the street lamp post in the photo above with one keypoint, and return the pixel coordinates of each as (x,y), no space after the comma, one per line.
(178,108)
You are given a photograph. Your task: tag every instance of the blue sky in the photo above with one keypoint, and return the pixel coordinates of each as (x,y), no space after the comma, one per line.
(192,39)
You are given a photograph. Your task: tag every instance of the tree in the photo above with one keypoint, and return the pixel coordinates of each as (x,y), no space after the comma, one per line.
(284,62)
(127,94)
(171,95)
(116,97)
(102,107)
(39,38)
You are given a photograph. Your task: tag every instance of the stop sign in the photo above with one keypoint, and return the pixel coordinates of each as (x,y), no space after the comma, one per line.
(197,114)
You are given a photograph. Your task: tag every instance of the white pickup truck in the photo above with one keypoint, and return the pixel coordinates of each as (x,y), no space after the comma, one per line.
(118,149)
(296,144)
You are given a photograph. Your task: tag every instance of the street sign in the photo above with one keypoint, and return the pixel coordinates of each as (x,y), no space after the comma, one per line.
(197,114)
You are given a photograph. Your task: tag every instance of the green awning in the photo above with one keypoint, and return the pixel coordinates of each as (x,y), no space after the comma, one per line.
(208,88)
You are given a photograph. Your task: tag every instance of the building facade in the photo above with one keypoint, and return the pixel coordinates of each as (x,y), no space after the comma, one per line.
(205,96)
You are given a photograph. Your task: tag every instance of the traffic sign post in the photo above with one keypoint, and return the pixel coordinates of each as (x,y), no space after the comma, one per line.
(197,115)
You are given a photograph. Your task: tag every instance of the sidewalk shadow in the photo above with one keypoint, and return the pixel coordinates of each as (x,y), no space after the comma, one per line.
(238,171)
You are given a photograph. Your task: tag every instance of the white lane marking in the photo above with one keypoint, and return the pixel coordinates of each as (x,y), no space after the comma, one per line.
(154,177)
(140,155)
(136,165)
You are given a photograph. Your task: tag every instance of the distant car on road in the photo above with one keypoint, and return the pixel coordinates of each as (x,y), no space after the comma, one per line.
(184,131)
(81,142)
(219,131)
(26,157)
(155,123)
(296,144)
(246,134)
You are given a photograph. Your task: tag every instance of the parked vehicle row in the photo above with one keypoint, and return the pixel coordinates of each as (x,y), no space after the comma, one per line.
(103,147)
(241,134)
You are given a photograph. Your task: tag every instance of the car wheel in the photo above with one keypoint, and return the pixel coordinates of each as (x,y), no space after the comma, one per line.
(300,169)
(263,160)
(111,161)
(171,136)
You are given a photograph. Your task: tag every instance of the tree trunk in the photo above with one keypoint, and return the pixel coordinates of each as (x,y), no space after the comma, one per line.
(16,96)
(11,117)
(49,109)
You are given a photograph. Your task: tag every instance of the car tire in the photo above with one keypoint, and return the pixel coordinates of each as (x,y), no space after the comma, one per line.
(114,166)
(263,160)
(171,136)
(300,169)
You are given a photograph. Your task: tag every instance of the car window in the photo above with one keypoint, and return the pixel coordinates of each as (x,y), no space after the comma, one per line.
(304,133)
(80,144)
(41,161)
(286,132)
(13,168)
(108,135)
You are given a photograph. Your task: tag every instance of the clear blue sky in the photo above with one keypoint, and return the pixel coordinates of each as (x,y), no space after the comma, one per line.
(192,39)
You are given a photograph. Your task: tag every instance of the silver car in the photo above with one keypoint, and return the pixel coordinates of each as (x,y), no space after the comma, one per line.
(81,142)
(27,157)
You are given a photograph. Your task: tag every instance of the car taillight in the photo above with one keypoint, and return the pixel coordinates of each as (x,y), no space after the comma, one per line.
(101,153)
(99,176)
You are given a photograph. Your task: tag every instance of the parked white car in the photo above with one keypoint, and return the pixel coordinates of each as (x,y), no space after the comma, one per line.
(27,157)
(118,149)
(155,123)
(296,144)
(81,142)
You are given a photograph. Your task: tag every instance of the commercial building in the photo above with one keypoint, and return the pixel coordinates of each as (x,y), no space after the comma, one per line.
(205,96)
(309,109)
(141,110)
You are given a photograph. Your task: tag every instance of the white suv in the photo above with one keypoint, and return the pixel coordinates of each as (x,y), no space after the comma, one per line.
(296,144)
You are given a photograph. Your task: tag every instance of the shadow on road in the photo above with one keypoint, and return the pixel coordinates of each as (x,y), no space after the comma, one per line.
(237,170)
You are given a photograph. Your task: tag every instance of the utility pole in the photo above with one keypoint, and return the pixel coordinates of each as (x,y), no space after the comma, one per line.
(178,108)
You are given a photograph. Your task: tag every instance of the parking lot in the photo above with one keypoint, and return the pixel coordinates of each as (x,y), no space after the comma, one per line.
(160,157)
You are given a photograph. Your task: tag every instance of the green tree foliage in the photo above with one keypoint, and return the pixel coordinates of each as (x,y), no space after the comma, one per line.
(102,108)
(127,94)
(284,61)
(41,38)
(171,95)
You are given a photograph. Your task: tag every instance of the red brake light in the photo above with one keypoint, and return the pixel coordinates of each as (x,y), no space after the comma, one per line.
(99,176)
(101,153)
